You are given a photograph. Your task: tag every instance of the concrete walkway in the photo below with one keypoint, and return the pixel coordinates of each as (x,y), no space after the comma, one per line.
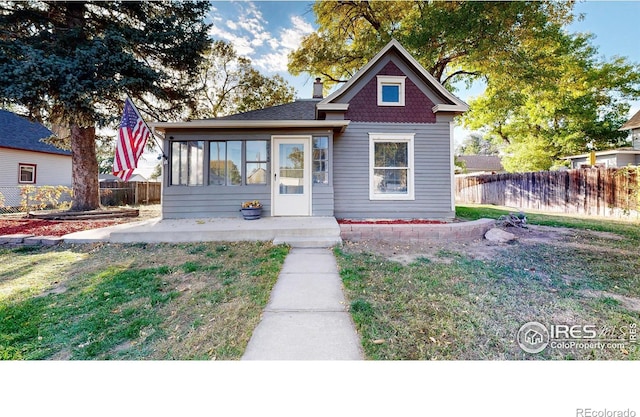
(307,317)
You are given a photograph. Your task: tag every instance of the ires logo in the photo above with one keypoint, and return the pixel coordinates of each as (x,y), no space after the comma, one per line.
(534,337)
(566,332)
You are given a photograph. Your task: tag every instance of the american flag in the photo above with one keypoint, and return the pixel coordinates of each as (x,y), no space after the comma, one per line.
(132,138)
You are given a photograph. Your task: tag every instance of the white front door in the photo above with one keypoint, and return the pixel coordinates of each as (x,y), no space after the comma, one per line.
(291,171)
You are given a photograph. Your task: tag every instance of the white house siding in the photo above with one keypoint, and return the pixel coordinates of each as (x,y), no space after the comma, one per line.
(432,166)
(51,169)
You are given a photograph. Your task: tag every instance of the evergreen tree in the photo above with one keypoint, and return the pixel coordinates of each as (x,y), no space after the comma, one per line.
(72,64)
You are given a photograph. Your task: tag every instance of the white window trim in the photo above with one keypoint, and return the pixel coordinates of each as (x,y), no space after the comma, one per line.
(33,168)
(391,80)
(392,137)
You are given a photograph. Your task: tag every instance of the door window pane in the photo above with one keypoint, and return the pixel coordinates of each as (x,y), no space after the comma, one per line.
(291,169)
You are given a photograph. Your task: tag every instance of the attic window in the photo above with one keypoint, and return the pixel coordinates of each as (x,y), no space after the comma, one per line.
(391,90)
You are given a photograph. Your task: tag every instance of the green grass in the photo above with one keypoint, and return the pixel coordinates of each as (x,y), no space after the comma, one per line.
(451,306)
(627,228)
(133,301)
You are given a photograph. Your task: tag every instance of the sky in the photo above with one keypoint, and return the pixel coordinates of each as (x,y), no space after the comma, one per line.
(267,31)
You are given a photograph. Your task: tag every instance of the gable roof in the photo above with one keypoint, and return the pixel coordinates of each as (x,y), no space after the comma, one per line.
(17,132)
(481,162)
(451,102)
(297,110)
(632,123)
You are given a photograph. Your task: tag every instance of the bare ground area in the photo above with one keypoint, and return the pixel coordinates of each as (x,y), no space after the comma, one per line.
(482,249)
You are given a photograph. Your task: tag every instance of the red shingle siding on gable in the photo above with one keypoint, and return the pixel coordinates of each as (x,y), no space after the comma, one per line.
(363,107)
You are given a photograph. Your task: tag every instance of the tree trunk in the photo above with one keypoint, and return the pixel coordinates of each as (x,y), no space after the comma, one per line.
(84,169)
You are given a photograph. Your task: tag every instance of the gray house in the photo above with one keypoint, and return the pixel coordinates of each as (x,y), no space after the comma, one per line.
(379,147)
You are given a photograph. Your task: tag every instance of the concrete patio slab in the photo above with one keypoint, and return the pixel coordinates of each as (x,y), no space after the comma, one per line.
(305,231)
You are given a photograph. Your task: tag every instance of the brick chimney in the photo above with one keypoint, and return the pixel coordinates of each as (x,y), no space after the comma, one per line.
(317,88)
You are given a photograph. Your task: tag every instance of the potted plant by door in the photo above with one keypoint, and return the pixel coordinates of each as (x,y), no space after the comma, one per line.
(251,210)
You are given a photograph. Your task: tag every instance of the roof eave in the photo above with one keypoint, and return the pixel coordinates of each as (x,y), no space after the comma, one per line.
(451,108)
(251,124)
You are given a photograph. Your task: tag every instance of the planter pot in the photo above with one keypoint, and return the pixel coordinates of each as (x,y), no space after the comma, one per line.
(251,213)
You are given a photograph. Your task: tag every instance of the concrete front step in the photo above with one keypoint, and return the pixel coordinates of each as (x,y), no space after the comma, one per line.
(308,242)
(322,230)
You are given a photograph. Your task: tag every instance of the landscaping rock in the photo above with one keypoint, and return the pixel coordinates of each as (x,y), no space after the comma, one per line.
(499,236)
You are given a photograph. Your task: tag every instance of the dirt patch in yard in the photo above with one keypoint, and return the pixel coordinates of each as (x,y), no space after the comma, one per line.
(480,249)
(629,303)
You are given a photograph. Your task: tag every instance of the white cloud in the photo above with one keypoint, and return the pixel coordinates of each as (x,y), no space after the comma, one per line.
(232,25)
(288,40)
(242,44)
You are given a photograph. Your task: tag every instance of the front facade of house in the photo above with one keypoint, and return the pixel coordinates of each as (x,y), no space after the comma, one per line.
(25,160)
(379,147)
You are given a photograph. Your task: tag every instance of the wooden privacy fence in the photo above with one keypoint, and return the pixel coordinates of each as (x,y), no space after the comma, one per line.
(134,193)
(589,191)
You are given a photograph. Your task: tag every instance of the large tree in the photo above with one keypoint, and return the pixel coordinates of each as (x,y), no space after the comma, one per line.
(547,93)
(449,38)
(72,64)
(563,101)
(228,84)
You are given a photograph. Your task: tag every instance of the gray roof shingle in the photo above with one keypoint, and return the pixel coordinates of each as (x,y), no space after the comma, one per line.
(16,132)
(297,110)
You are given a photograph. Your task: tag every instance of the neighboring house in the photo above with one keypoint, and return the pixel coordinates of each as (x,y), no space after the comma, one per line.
(481,164)
(381,146)
(633,125)
(615,158)
(26,160)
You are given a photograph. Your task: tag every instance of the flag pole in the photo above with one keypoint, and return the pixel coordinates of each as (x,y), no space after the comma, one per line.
(153,131)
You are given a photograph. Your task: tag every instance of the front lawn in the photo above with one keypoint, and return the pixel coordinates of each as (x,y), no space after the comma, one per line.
(448,303)
(105,301)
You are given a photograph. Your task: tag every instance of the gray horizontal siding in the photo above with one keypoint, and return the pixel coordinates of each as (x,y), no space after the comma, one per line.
(211,201)
(218,201)
(322,201)
(432,173)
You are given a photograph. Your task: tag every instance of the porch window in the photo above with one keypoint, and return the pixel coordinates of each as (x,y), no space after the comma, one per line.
(256,161)
(321,160)
(390,90)
(26,173)
(187,160)
(391,166)
(225,163)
